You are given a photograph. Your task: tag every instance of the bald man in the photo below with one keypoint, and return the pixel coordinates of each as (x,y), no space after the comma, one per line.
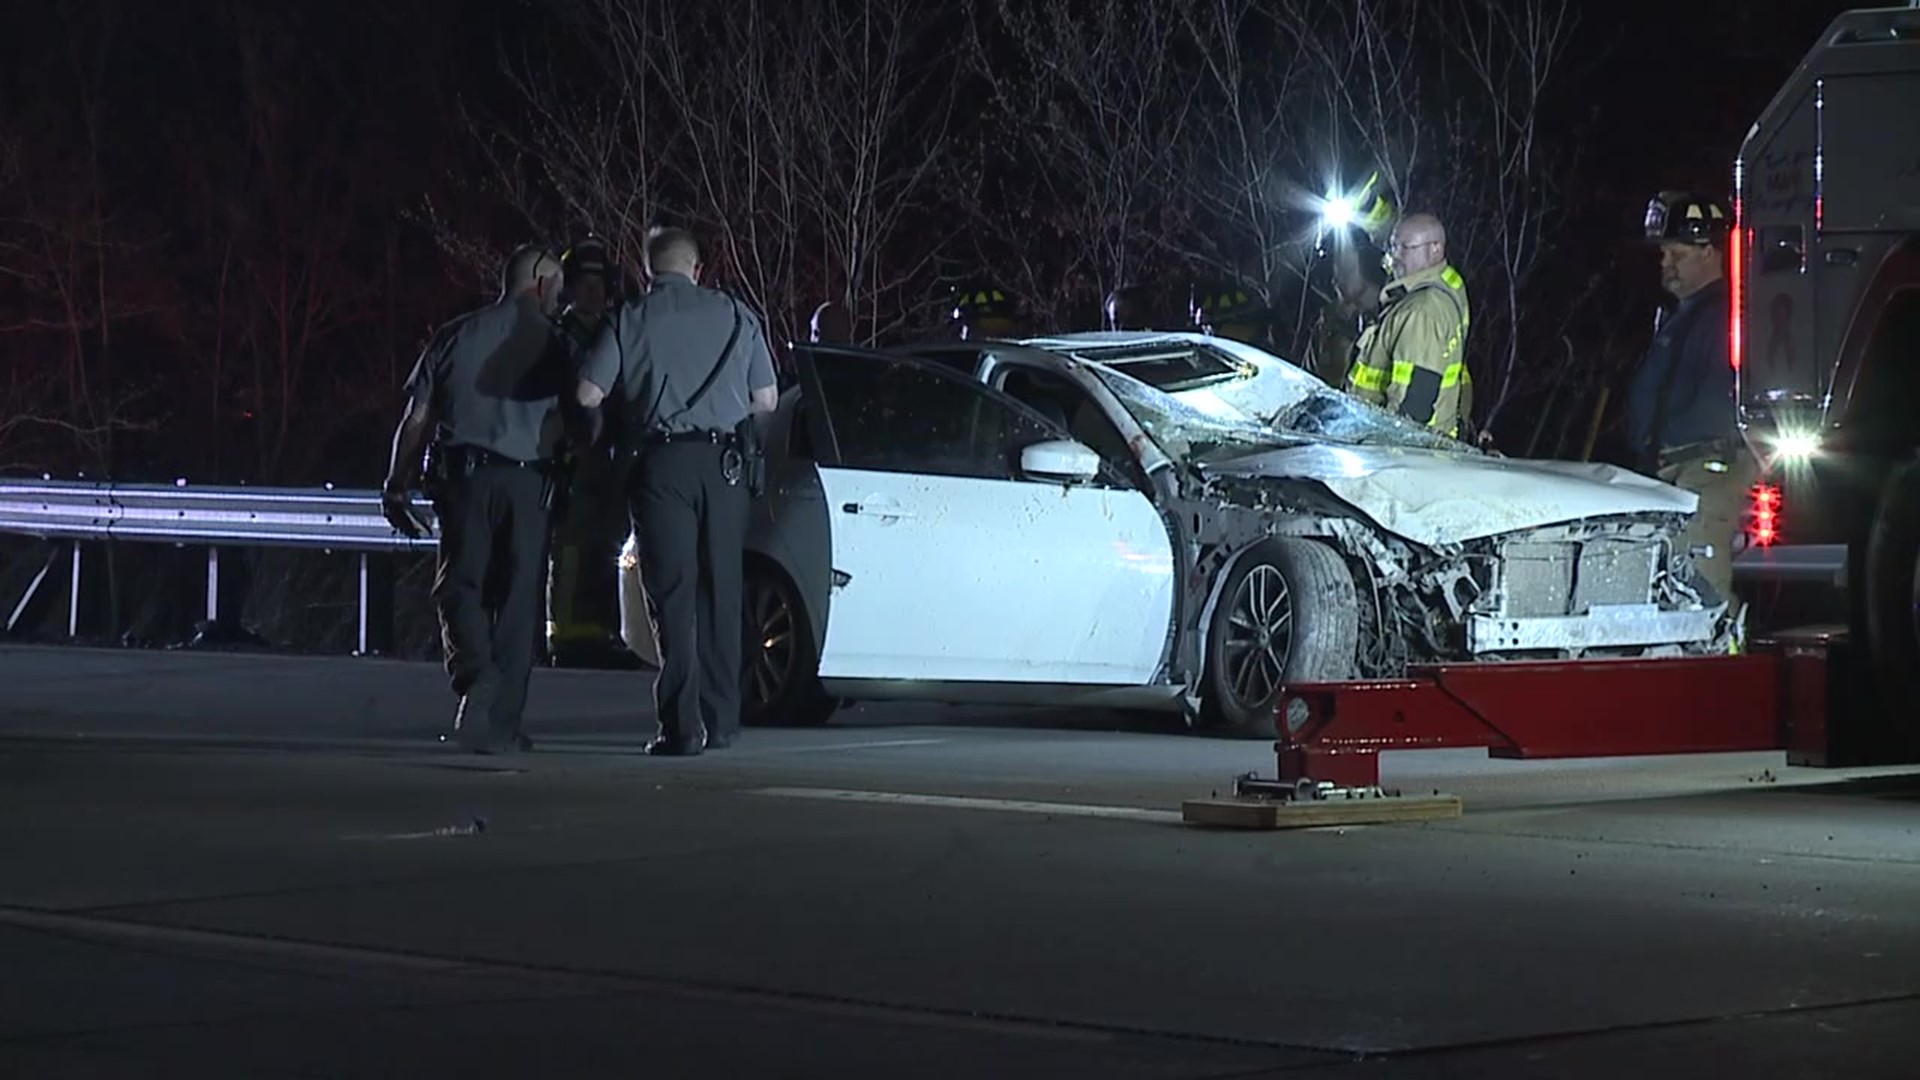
(687,367)
(1412,359)
(487,390)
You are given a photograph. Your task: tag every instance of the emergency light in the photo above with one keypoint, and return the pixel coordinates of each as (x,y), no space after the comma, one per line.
(1766,515)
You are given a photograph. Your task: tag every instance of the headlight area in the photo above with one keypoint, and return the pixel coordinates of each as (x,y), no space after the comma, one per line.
(1794,447)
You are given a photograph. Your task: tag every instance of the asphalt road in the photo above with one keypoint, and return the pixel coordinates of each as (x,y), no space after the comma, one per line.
(265,866)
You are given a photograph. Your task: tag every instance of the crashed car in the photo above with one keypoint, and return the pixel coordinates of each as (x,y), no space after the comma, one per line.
(1092,521)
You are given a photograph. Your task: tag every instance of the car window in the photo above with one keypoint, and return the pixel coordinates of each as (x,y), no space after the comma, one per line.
(1172,369)
(1078,417)
(963,359)
(898,416)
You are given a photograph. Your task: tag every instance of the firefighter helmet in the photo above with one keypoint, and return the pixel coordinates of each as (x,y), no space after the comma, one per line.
(1128,307)
(587,258)
(1373,211)
(1686,217)
(984,312)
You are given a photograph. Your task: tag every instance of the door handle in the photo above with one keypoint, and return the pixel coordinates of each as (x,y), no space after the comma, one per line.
(882,509)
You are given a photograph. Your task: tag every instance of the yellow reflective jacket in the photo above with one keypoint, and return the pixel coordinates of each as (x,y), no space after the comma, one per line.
(1412,359)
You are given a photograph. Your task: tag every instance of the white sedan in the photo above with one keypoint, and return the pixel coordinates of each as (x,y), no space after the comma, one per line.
(1167,521)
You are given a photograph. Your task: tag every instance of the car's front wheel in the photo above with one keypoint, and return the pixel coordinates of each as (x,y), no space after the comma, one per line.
(1287,614)
(779,664)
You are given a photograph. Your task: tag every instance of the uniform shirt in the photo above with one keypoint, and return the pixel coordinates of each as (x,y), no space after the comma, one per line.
(1412,360)
(662,346)
(1683,390)
(494,381)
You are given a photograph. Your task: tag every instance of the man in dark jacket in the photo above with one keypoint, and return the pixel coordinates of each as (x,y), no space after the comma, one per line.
(1681,416)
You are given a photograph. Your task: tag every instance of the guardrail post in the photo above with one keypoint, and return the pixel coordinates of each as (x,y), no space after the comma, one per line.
(32,599)
(73,594)
(376,605)
(226,593)
(213,586)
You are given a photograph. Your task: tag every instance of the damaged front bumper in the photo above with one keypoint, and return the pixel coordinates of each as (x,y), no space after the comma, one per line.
(1603,626)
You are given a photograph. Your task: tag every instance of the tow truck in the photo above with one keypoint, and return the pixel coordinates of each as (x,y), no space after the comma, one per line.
(1824,337)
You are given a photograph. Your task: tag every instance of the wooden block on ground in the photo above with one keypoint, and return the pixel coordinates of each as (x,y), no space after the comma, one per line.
(1240,813)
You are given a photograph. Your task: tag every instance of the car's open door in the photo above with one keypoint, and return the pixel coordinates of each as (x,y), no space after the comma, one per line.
(957,565)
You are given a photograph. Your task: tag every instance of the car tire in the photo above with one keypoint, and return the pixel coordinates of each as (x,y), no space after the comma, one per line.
(1289,586)
(779,662)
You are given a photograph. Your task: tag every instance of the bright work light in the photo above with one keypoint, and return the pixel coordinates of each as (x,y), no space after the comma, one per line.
(1337,213)
(1797,445)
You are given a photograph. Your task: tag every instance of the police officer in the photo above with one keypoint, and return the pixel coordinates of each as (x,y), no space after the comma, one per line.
(1412,358)
(684,368)
(583,616)
(1682,421)
(487,390)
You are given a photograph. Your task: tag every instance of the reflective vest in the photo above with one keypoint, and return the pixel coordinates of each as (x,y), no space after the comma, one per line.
(1412,359)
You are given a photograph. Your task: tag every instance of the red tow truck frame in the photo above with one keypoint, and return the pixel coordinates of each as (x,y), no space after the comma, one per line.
(1795,691)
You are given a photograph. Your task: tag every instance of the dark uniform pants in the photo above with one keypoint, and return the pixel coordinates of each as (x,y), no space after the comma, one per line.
(692,529)
(1722,477)
(487,588)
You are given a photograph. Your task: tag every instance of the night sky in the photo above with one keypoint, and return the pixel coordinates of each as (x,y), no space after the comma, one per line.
(272,205)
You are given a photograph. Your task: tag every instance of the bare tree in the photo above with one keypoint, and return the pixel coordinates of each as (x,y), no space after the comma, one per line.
(875,135)
(1256,159)
(72,261)
(590,148)
(1512,53)
(1095,102)
(299,195)
(803,138)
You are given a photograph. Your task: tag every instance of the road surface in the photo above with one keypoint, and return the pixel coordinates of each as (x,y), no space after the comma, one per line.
(270,863)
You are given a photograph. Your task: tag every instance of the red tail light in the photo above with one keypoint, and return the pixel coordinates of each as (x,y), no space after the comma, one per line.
(1766,515)
(1737,286)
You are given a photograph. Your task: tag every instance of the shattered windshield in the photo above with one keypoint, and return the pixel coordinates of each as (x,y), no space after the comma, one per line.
(1184,432)
(1325,415)
(1330,414)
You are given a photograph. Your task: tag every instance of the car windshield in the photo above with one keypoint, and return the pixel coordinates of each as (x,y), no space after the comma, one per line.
(1330,414)
(1184,432)
(1324,415)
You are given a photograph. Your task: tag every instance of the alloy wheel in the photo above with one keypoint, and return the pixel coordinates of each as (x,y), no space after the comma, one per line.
(770,651)
(1259,636)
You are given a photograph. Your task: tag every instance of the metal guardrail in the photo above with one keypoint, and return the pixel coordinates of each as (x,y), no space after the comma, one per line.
(328,518)
(183,515)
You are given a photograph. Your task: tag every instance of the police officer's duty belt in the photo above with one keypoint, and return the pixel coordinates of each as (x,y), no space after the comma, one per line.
(708,435)
(474,457)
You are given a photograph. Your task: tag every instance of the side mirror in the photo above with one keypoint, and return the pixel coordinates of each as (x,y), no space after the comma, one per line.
(1059,459)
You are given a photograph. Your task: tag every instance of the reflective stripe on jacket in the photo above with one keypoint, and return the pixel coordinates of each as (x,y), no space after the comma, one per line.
(1412,359)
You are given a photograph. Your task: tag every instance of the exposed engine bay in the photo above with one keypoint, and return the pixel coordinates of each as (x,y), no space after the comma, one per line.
(1611,586)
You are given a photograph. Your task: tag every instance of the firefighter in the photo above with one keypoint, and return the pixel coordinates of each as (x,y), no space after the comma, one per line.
(984,312)
(1681,418)
(1354,249)
(1412,358)
(1230,313)
(583,618)
(1129,307)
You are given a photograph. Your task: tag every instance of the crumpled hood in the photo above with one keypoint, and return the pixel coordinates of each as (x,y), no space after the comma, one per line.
(1434,497)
